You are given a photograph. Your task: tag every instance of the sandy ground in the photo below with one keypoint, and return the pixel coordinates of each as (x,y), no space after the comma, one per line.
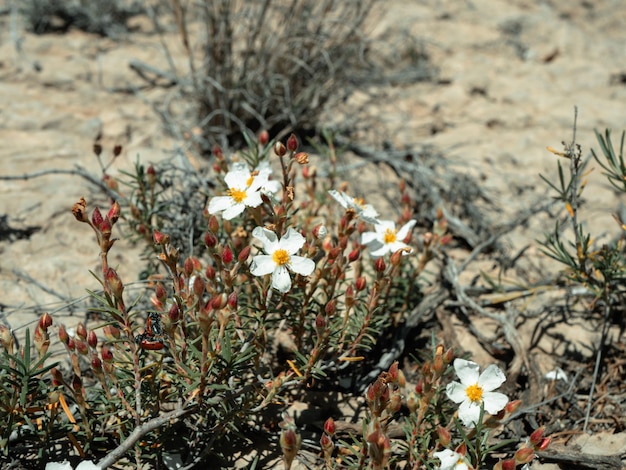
(510,75)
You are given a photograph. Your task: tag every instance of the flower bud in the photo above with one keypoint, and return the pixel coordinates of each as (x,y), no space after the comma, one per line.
(160,238)
(198,286)
(233,301)
(173,313)
(320,323)
(524,455)
(107,354)
(45,321)
(292,143)
(114,213)
(117,150)
(96,364)
(360,283)
(210,240)
(512,406)
(92,339)
(57,377)
(96,218)
(536,436)
(209,272)
(320,232)
(331,307)
(279,149)
(396,257)
(509,464)
(243,254)
(543,445)
(81,346)
(111,332)
(227,255)
(329,427)
(81,331)
(214,224)
(444,436)
(264,137)
(354,255)
(219,301)
(77,383)
(115,284)
(188,266)
(151,176)
(379,265)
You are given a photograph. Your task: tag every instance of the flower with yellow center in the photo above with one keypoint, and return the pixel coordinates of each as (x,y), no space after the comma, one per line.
(386,239)
(244,189)
(451,460)
(280,257)
(476,390)
(363,211)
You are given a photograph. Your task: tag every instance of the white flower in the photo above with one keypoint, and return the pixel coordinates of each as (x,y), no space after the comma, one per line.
(244,190)
(476,390)
(364,211)
(557,374)
(263,171)
(280,257)
(65,465)
(386,239)
(451,460)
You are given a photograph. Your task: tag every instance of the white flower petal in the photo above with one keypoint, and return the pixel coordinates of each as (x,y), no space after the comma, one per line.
(220,203)
(379,251)
(557,374)
(491,378)
(281,281)
(494,402)
(271,187)
(448,459)
(253,199)
(267,237)
(369,214)
(383,225)
(456,392)
(370,237)
(395,246)
(469,412)
(301,265)
(404,230)
(341,197)
(87,465)
(262,265)
(292,241)
(65,465)
(466,371)
(237,179)
(233,211)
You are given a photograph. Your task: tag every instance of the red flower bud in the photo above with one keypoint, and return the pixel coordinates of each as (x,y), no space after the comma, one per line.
(279,149)
(243,254)
(524,455)
(329,427)
(227,255)
(320,323)
(508,464)
(174,313)
(107,354)
(160,292)
(81,346)
(114,213)
(57,377)
(63,336)
(96,218)
(360,283)
(151,176)
(536,436)
(160,238)
(111,332)
(219,301)
(45,321)
(396,257)
(117,150)
(330,307)
(96,363)
(188,266)
(115,283)
(214,224)
(198,286)
(264,138)
(209,272)
(210,240)
(379,265)
(354,255)
(92,339)
(77,383)
(233,301)
(544,444)
(81,331)
(444,436)
(292,143)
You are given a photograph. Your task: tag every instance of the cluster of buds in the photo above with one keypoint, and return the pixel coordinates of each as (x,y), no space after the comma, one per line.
(537,442)
(101,225)
(428,384)
(41,336)
(384,399)
(326,441)
(289,440)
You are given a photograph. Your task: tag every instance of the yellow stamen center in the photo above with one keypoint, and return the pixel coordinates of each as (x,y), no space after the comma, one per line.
(474,392)
(359,201)
(280,257)
(237,194)
(390,236)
